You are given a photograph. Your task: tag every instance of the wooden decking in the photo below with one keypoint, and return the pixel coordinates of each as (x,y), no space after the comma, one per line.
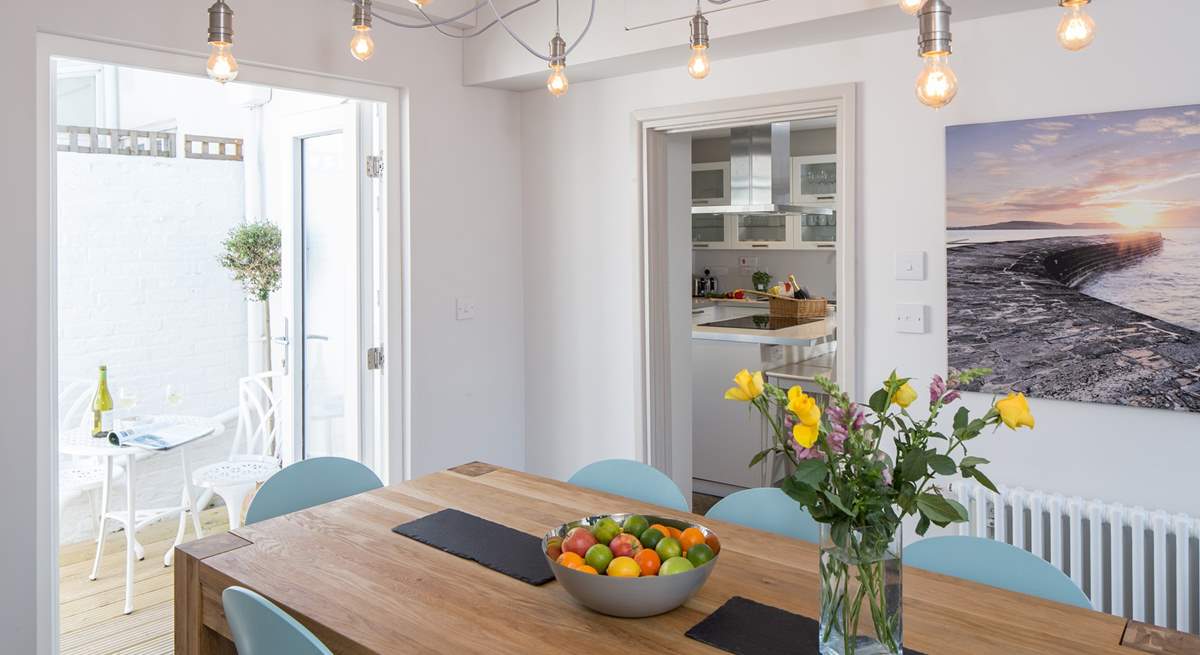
(90,617)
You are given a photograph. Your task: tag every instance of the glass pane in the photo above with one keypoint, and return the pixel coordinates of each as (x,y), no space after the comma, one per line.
(708,228)
(762,228)
(329,296)
(818,179)
(708,184)
(818,227)
(76,100)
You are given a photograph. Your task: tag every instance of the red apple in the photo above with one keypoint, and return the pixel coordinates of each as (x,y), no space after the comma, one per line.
(625,545)
(578,541)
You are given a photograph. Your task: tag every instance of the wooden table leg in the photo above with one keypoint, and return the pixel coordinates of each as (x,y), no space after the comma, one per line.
(192,636)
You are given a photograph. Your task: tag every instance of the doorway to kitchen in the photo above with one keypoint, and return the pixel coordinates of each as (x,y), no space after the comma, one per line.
(757,191)
(219,300)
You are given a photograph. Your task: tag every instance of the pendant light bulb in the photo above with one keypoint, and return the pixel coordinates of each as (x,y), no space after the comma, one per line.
(421,3)
(221,65)
(362,46)
(698,65)
(557,83)
(911,7)
(937,84)
(1076,30)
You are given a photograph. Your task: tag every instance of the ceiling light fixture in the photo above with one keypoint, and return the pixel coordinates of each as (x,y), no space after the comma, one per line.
(362,46)
(698,65)
(1076,30)
(421,3)
(911,7)
(937,84)
(221,65)
(557,83)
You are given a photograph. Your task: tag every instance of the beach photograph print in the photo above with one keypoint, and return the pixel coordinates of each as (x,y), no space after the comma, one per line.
(1073,256)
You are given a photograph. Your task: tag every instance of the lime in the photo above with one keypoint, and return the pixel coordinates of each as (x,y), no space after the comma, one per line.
(698,555)
(624,567)
(606,529)
(598,557)
(635,524)
(667,548)
(651,537)
(674,566)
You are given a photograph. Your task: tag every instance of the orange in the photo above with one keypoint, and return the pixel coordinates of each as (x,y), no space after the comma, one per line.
(648,561)
(570,560)
(586,569)
(624,567)
(690,537)
(663,529)
(714,544)
(675,532)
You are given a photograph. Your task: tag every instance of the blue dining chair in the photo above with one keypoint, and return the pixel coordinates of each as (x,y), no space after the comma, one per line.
(636,480)
(308,483)
(769,509)
(260,628)
(997,564)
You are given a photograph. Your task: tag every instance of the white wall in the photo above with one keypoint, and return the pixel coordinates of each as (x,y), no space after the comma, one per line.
(585,226)
(467,396)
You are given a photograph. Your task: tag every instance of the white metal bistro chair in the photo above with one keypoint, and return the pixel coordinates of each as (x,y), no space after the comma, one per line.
(80,476)
(255,454)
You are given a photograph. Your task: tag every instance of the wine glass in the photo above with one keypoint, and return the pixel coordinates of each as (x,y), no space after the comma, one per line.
(174,397)
(126,401)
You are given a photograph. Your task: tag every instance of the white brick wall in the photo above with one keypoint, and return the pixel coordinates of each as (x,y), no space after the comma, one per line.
(140,290)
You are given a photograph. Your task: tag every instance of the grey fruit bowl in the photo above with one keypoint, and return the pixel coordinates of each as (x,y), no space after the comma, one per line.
(628,597)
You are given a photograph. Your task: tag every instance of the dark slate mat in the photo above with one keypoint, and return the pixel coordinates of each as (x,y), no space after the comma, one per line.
(495,546)
(744,627)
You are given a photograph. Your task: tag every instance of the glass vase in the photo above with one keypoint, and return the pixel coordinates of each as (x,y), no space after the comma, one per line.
(861,592)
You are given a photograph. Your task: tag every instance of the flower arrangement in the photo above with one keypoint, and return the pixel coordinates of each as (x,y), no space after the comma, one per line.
(849,482)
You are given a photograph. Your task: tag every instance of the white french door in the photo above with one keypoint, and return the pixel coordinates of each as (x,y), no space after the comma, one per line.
(325,318)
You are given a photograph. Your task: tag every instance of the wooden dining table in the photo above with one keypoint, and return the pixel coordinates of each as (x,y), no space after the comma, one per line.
(340,570)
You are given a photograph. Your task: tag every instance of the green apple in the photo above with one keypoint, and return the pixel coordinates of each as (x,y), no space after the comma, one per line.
(674,566)
(599,557)
(605,529)
(667,548)
(635,524)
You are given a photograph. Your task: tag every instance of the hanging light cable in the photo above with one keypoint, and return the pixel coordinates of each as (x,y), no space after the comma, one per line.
(1076,30)
(221,65)
(937,84)
(557,83)
(362,46)
(698,65)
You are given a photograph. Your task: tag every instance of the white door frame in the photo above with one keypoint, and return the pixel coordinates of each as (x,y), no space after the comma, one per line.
(659,433)
(392,309)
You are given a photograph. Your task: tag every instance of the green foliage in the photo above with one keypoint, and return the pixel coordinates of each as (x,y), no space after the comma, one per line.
(252,252)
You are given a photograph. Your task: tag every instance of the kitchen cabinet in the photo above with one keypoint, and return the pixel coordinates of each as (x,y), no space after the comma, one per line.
(814,180)
(711,184)
(774,232)
(816,229)
(711,231)
(725,437)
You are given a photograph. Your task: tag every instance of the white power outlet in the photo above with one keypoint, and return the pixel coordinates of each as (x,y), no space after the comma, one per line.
(910,319)
(464,308)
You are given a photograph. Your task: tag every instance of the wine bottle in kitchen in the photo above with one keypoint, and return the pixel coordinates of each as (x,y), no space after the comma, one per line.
(102,407)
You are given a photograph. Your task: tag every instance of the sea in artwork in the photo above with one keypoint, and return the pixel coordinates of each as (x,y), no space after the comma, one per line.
(1165,285)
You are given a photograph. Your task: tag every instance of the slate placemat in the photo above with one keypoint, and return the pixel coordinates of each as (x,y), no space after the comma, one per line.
(744,627)
(495,546)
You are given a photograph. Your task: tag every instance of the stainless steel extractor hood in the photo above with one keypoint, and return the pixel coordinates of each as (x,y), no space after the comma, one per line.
(760,172)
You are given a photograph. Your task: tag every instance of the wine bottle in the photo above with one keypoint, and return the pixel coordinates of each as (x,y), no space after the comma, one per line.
(102,407)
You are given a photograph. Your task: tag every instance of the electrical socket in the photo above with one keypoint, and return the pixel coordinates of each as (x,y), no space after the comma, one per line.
(464,308)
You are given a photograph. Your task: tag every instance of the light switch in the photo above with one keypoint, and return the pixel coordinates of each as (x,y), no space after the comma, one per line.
(464,309)
(910,319)
(910,265)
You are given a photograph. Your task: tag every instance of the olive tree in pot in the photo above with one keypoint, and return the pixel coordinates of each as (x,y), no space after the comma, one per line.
(252,252)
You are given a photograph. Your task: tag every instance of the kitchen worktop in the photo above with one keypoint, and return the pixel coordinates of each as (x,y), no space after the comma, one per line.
(701,303)
(807,334)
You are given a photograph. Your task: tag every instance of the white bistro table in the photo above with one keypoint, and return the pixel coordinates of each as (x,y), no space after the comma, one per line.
(80,442)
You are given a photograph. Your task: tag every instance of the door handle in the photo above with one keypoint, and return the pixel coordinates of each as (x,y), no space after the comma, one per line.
(285,341)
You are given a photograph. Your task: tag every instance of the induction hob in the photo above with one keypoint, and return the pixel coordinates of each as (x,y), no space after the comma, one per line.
(762,322)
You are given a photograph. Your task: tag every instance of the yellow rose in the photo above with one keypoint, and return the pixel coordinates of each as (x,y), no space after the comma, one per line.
(805,435)
(1014,411)
(804,407)
(905,395)
(748,386)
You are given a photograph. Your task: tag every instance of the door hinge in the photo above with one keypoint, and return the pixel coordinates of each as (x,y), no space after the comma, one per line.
(375,358)
(374,166)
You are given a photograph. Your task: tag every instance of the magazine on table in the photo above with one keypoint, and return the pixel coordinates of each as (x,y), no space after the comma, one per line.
(158,436)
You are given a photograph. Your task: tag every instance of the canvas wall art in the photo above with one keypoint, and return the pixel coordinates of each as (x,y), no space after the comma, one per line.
(1073,256)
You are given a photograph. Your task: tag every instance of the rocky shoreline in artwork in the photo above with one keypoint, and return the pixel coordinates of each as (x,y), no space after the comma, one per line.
(1015,307)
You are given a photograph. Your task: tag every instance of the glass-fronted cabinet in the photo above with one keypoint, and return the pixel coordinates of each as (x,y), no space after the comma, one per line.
(817,228)
(762,231)
(814,180)
(710,231)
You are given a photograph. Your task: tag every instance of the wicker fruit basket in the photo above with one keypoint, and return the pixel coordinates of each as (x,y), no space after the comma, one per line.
(794,307)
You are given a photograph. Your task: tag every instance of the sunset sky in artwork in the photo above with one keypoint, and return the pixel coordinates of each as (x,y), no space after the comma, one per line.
(1137,168)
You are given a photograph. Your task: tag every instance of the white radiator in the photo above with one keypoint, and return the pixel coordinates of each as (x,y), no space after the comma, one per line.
(1131,562)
